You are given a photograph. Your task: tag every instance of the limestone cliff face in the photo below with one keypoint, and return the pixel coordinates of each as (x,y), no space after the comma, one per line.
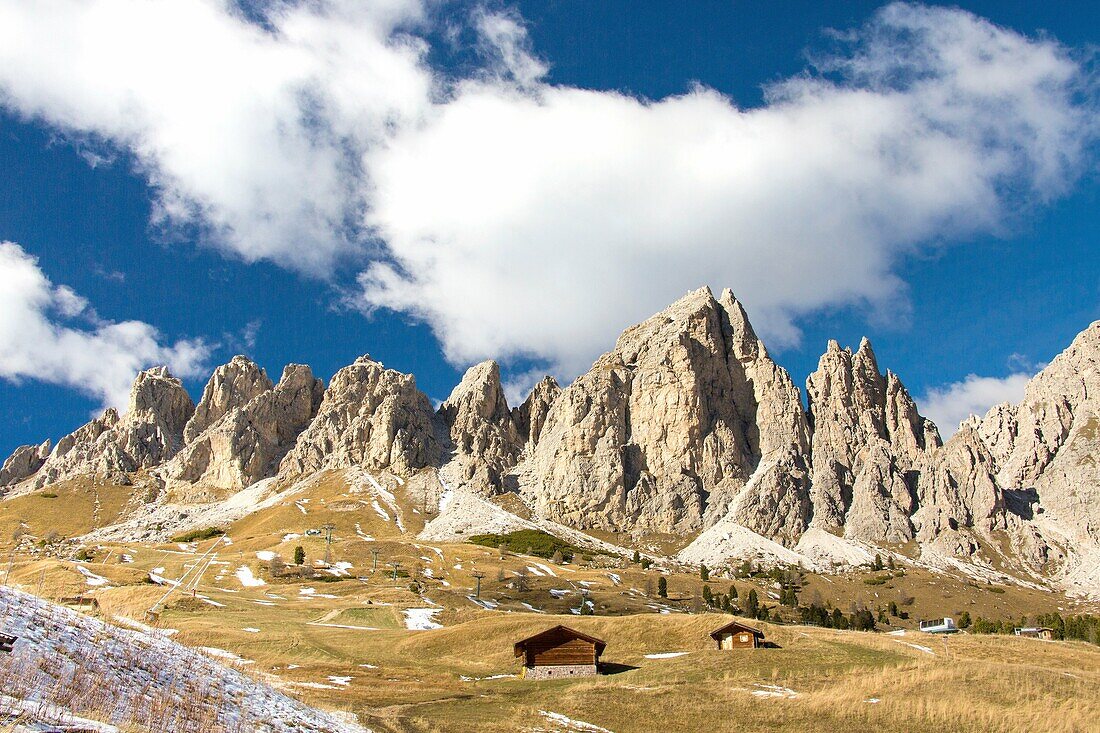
(147,435)
(23,463)
(869,446)
(958,490)
(370,416)
(664,432)
(247,442)
(231,386)
(1046,447)
(485,440)
(686,425)
(531,415)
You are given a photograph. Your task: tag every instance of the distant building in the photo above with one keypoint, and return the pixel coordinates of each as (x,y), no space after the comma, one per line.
(736,635)
(1036,632)
(7,643)
(939,626)
(560,652)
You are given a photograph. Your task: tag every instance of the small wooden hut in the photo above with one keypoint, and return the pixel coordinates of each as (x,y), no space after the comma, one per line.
(1036,632)
(736,635)
(559,652)
(7,643)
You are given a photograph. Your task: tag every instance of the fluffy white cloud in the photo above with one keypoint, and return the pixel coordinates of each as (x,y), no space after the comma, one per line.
(949,405)
(250,133)
(524,219)
(36,342)
(539,220)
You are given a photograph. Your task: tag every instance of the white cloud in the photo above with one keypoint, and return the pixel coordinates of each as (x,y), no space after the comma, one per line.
(539,222)
(949,405)
(38,340)
(523,219)
(251,134)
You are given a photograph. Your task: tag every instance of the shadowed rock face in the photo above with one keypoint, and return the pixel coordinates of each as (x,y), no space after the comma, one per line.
(531,415)
(369,416)
(248,441)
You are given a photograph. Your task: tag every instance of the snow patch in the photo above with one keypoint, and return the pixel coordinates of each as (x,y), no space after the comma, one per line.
(247,579)
(421,619)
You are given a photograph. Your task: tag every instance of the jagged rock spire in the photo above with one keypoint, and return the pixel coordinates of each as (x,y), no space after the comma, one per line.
(484,437)
(231,386)
(370,416)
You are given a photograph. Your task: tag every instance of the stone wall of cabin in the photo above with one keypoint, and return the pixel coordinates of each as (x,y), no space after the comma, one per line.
(557,671)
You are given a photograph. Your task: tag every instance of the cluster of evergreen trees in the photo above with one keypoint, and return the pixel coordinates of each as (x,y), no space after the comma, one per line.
(1082,628)
(815,615)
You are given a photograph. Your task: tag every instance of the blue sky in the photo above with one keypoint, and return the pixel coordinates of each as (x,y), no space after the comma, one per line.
(520,181)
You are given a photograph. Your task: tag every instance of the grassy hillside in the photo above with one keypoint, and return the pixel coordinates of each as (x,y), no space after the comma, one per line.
(337,636)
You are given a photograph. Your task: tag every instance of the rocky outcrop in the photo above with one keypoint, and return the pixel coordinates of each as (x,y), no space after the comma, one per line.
(248,441)
(231,386)
(1046,447)
(869,447)
(484,438)
(664,432)
(531,415)
(959,491)
(147,435)
(23,463)
(370,416)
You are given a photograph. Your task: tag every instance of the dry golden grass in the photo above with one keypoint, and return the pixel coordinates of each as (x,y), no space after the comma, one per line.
(414,681)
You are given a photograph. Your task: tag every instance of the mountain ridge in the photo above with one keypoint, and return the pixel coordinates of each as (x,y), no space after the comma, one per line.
(686,425)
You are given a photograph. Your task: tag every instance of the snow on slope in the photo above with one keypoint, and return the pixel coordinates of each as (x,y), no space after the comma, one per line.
(728,540)
(136,677)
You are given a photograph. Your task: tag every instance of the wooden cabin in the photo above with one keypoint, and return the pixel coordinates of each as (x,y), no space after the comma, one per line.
(1036,632)
(560,652)
(7,643)
(736,635)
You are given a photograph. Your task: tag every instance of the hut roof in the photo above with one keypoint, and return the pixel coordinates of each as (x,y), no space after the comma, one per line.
(521,645)
(738,626)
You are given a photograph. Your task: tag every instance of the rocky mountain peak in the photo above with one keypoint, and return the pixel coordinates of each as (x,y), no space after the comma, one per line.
(23,463)
(161,396)
(231,386)
(148,435)
(867,439)
(369,416)
(531,415)
(663,433)
(484,437)
(247,443)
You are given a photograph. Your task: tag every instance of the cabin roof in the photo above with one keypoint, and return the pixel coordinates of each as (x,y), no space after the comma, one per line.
(521,645)
(738,626)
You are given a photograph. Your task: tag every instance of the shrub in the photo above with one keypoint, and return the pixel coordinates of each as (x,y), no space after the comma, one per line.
(537,542)
(299,555)
(199,534)
(48,495)
(662,587)
(704,573)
